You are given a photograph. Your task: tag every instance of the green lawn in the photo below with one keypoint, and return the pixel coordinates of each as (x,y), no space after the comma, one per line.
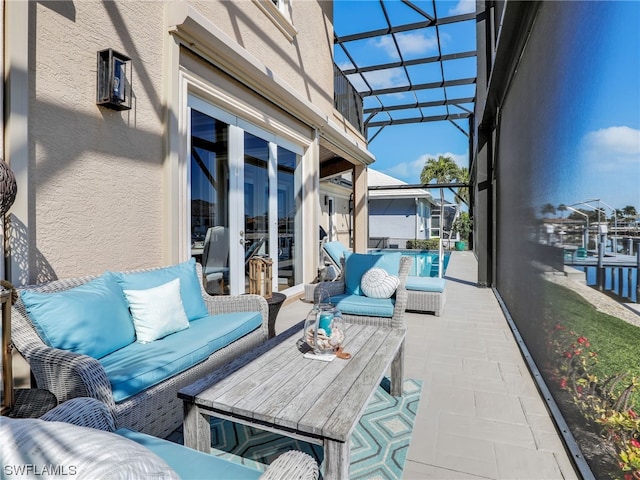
(616,341)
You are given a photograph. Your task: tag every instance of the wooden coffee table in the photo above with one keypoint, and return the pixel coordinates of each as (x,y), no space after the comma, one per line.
(275,388)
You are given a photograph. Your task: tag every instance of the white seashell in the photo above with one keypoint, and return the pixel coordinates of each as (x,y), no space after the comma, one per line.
(377,283)
(322,341)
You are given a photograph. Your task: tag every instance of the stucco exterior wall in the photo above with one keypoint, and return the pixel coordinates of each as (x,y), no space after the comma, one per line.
(95,174)
(305,62)
(96,194)
(395,219)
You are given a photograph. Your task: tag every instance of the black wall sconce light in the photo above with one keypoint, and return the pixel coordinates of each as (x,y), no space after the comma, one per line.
(114,80)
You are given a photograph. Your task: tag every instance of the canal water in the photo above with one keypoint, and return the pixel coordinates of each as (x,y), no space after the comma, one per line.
(612,283)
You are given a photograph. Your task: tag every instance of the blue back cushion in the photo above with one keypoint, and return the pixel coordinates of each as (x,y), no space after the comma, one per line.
(335,250)
(92,319)
(357,264)
(190,292)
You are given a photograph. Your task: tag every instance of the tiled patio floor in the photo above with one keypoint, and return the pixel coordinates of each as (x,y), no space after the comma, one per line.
(480,415)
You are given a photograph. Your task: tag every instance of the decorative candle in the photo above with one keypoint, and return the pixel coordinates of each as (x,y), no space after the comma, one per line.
(325,322)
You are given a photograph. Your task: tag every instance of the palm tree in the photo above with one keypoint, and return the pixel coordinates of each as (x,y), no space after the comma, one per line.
(462,195)
(562,208)
(548,208)
(442,170)
(630,214)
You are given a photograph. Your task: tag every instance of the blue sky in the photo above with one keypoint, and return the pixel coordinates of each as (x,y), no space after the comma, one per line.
(599,149)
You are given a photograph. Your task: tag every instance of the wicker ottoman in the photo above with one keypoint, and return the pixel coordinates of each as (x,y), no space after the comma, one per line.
(426,294)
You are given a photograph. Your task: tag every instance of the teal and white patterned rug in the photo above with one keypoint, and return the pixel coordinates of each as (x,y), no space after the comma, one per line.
(379,443)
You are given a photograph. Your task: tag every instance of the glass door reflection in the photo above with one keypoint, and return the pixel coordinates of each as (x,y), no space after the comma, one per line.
(256,199)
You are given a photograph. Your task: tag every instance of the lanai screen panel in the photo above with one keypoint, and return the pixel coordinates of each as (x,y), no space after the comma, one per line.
(569,138)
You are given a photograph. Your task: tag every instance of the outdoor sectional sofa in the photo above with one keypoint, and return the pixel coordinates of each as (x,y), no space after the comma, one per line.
(424,294)
(356,307)
(79,342)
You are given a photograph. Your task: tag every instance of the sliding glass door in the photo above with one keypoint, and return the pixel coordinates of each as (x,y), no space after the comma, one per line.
(256,199)
(245,200)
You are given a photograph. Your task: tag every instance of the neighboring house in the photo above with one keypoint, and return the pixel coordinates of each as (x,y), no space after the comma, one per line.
(395,214)
(231,123)
(400,214)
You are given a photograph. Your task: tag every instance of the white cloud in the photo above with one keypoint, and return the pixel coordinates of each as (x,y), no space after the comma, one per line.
(410,44)
(357,82)
(410,171)
(463,6)
(621,140)
(612,148)
(387,78)
(385,43)
(414,43)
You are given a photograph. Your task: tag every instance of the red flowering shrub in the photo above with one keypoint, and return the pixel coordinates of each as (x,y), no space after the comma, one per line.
(596,398)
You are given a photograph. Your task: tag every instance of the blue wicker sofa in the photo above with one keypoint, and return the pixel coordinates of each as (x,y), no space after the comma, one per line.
(133,339)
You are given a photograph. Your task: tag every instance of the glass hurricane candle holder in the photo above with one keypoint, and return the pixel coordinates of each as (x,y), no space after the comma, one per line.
(324,329)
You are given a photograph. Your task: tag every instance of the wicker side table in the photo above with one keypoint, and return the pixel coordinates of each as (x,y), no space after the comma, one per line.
(32,403)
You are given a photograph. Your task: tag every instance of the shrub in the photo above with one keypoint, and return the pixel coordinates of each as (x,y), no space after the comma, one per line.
(428,244)
(600,400)
(463,225)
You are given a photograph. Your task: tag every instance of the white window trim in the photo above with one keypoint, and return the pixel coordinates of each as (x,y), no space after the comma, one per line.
(250,116)
(279,16)
(237,128)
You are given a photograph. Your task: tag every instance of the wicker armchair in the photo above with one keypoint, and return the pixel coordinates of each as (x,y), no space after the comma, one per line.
(112,454)
(155,410)
(332,289)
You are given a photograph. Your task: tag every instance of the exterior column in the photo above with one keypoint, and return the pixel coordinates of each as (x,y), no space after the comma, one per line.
(16,139)
(360,209)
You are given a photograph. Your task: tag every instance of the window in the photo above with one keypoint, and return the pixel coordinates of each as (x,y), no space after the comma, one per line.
(279,12)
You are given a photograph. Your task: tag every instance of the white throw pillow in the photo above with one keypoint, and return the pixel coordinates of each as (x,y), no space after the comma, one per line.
(377,283)
(157,312)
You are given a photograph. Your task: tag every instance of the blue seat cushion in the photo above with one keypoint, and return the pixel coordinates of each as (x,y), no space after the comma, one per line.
(361,305)
(141,365)
(357,264)
(190,291)
(426,284)
(189,463)
(92,319)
